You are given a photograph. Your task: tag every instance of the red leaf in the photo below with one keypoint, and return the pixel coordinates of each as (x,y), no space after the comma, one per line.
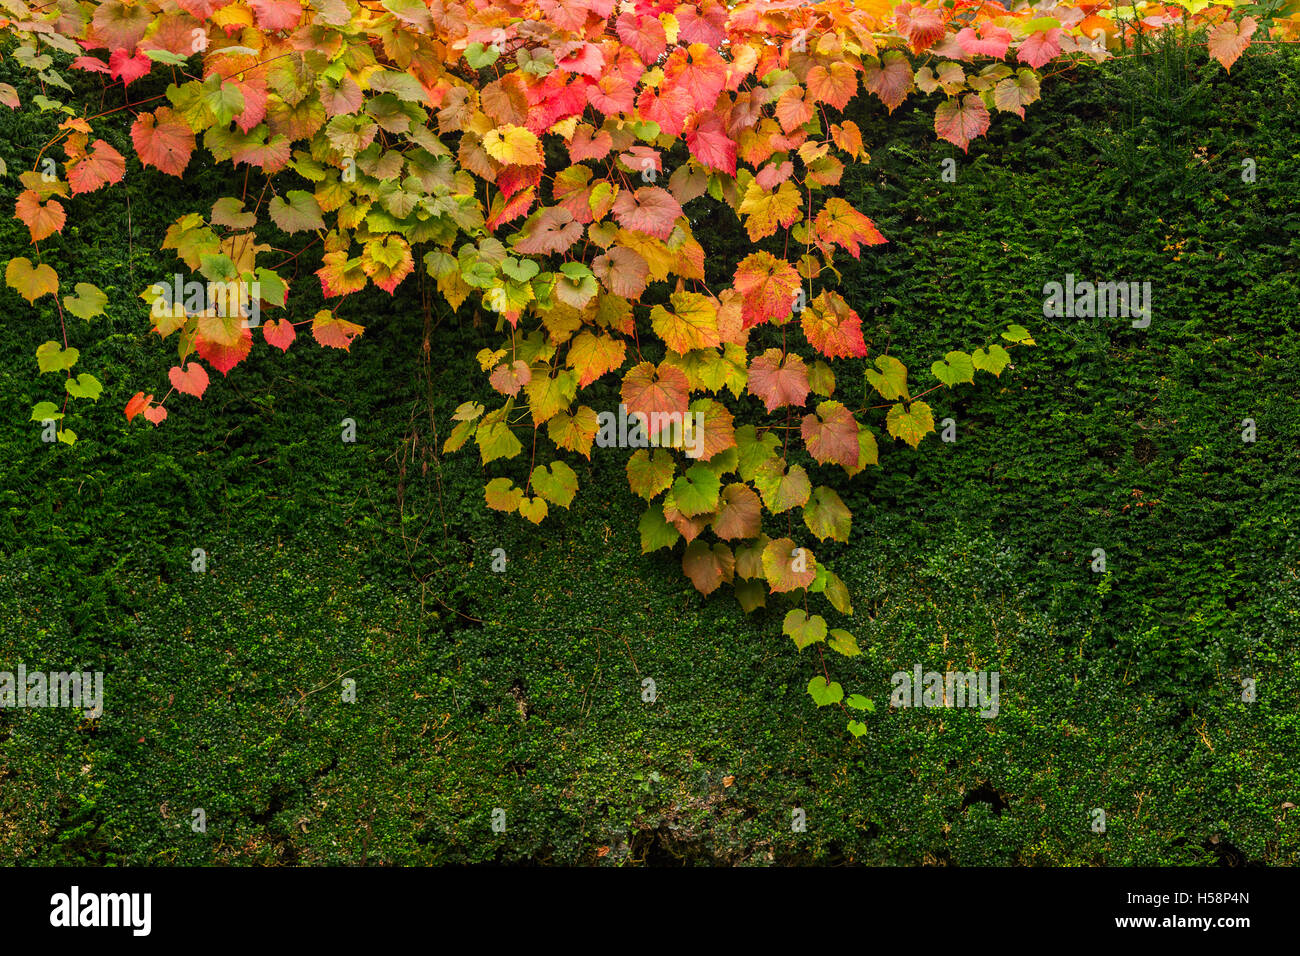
(127,68)
(644,34)
(136,405)
(778,382)
(163,139)
(91,64)
(650,209)
(191,379)
(155,414)
(961,122)
(833,328)
(709,143)
(1039,48)
(767,286)
(225,357)
(101,167)
(280,334)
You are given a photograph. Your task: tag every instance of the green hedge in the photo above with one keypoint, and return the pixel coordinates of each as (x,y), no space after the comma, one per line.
(523,691)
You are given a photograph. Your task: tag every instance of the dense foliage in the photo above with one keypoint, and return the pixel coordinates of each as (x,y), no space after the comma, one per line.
(523,146)
(522,690)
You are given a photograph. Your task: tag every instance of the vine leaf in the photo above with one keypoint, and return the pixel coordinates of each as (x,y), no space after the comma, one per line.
(832,435)
(191,379)
(708,567)
(558,485)
(804,630)
(827,516)
(31,282)
(779,382)
(329,330)
(823,693)
(891,379)
(955,367)
(787,567)
(910,424)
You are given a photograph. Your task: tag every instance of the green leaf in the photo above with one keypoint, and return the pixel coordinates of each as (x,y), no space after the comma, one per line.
(827,516)
(87,303)
(844,642)
(994,360)
(697,491)
(1018,333)
(521,270)
(534,509)
(910,424)
(84,386)
(479,56)
(51,357)
(823,693)
(558,485)
(650,472)
(858,702)
(495,439)
(656,532)
(891,380)
(955,367)
(46,411)
(166,56)
(857,728)
(803,629)
(838,594)
(299,214)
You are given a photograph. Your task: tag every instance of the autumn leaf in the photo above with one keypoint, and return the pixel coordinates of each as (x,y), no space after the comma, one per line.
(769,209)
(279,333)
(1229,40)
(839,224)
(329,330)
(777,381)
(804,629)
(693,324)
(739,513)
(42,219)
(650,209)
(827,516)
(592,355)
(31,282)
(557,483)
(101,167)
(163,139)
(962,119)
(911,424)
(650,391)
(831,435)
(833,328)
(708,567)
(767,286)
(782,489)
(788,567)
(513,146)
(191,379)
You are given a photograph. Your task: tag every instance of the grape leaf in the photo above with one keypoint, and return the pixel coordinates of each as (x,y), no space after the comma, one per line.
(779,382)
(832,435)
(954,368)
(827,516)
(823,693)
(891,379)
(910,424)
(787,567)
(191,379)
(708,567)
(31,282)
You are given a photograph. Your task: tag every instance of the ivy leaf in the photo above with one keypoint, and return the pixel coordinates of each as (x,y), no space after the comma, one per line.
(779,382)
(954,368)
(891,379)
(781,489)
(656,532)
(558,485)
(696,492)
(844,643)
(575,432)
(804,630)
(708,567)
(31,282)
(827,516)
(910,424)
(534,509)
(823,693)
